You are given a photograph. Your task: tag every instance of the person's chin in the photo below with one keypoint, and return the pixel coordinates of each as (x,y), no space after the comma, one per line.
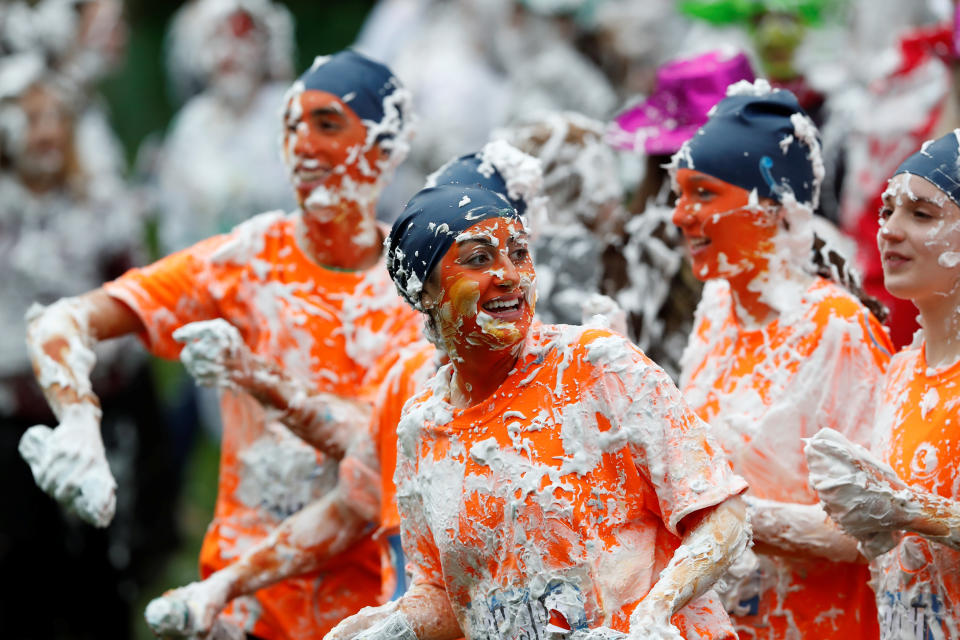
(704,270)
(900,287)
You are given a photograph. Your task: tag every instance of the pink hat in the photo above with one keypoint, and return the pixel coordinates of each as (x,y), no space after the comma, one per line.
(684,92)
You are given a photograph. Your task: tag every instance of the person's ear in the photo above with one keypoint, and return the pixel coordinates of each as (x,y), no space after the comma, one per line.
(427,301)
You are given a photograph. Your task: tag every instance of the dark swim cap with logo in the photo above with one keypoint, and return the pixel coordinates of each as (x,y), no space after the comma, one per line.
(937,161)
(360,82)
(429,226)
(752,141)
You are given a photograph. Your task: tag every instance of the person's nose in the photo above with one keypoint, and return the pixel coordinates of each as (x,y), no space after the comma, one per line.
(683,214)
(305,144)
(511,274)
(891,229)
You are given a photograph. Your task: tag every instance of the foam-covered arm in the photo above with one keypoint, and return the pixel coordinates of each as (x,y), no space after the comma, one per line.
(302,543)
(870,502)
(69,462)
(708,549)
(422,613)
(803,529)
(216,355)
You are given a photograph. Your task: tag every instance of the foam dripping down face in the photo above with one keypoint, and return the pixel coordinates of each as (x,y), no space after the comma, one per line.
(919,240)
(728,231)
(486,294)
(326,149)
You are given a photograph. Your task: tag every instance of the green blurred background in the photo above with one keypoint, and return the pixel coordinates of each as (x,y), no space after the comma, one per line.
(137,93)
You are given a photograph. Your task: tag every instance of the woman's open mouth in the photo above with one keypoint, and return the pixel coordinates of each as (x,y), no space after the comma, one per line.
(697,244)
(504,307)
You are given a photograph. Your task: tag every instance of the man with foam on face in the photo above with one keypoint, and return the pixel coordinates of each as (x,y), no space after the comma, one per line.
(307,291)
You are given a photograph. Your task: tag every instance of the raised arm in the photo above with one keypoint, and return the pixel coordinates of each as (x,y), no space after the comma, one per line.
(215,354)
(870,502)
(69,462)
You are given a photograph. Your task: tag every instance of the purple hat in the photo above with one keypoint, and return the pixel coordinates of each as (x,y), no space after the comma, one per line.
(684,92)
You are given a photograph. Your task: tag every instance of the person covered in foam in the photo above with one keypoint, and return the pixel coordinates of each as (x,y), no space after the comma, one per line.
(364,442)
(779,349)
(900,500)
(643,261)
(550,478)
(306,291)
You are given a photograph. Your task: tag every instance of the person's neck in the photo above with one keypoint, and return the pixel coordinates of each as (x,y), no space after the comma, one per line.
(342,236)
(760,295)
(479,372)
(749,308)
(941,329)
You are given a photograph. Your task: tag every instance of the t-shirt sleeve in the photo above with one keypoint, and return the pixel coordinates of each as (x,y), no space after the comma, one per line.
(671,447)
(168,294)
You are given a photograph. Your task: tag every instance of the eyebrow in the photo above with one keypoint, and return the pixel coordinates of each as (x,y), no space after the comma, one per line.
(330,110)
(484,240)
(913,200)
(704,180)
(920,199)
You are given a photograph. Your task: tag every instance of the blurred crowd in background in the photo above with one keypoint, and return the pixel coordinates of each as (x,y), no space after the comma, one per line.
(129,130)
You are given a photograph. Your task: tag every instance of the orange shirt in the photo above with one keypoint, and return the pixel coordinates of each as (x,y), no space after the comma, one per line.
(414,366)
(918,434)
(559,496)
(817,365)
(339,330)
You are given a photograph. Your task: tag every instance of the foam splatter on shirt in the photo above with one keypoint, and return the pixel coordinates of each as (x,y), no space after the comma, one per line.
(341,330)
(763,390)
(413,368)
(561,493)
(918,433)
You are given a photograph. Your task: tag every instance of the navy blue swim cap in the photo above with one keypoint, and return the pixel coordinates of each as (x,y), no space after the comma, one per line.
(360,82)
(470,170)
(938,161)
(430,224)
(763,142)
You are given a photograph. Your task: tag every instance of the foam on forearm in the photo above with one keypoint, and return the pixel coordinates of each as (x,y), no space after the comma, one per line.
(800,528)
(61,349)
(705,555)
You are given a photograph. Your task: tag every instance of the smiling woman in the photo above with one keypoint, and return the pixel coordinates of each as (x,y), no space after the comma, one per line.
(549,478)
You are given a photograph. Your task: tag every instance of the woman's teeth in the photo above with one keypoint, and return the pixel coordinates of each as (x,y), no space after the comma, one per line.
(498,305)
